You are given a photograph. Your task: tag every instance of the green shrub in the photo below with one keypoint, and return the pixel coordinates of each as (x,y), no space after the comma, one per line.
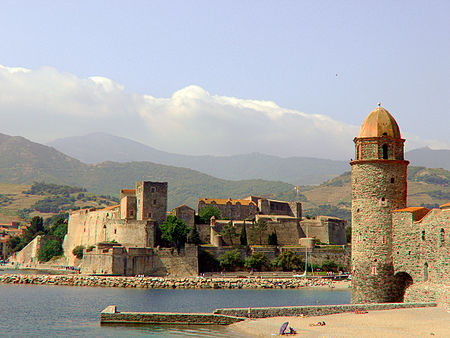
(329,265)
(194,236)
(78,251)
(207,212)
(50,249)
(231,260)
(256,261)
(288,261)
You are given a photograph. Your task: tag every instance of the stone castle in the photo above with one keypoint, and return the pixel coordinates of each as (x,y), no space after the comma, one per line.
(397,252)
(282,217)
(123,239)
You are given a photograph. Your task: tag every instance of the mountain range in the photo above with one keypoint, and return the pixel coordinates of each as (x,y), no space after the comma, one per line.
(25,162)
(100,147)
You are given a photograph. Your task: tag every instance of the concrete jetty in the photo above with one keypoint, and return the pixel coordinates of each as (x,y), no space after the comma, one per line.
(110,315)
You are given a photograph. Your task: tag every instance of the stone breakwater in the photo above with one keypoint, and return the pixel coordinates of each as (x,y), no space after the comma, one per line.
(164,283)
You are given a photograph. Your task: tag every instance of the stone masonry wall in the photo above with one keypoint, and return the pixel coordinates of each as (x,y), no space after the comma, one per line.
(29,255)
(88,228)
(422,249)
(378,188)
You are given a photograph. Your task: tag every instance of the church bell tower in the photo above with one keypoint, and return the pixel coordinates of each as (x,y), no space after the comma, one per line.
(379,186)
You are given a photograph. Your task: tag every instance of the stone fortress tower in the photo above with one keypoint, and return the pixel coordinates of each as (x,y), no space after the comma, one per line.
(379,186)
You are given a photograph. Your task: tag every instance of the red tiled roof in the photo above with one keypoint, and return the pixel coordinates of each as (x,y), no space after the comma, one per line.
(223,201)
(128,191)
(418,212)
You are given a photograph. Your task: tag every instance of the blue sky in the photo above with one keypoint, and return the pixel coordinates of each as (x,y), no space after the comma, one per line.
(335,59)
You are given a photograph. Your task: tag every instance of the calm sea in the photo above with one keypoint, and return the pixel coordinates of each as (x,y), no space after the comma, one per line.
(35,310)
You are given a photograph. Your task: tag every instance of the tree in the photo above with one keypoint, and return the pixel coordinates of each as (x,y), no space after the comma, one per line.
(243,236)
(78,251)
(329,265)
(256,261)
(229,231)
(50,249)
(174,231)
(259,227)
(35,228)
(231,259)
(207,212)
(13,244)
(272,238)
(194,236)
(288,261)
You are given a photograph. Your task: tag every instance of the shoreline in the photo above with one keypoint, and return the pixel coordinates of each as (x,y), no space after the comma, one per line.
(412,322)
(171,282)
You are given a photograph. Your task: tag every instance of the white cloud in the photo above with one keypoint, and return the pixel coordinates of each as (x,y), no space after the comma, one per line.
(44,104)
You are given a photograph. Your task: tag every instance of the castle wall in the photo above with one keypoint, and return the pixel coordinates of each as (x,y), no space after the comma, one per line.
(422,248)
(231,209)
(287,229)
(29,255)
(89,228)
(118,260)
(328,230)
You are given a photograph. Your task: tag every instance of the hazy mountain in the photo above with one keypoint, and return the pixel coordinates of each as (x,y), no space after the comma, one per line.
(100,147)
(429,158)
(23,161)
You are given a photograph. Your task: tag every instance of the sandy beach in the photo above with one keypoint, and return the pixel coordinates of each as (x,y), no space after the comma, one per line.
(417,322)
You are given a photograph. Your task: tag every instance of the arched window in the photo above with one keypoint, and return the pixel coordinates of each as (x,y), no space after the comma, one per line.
(425,272)
(385,151)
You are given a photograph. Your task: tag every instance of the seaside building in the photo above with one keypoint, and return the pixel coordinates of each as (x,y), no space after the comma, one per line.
(8,230)
(393,247)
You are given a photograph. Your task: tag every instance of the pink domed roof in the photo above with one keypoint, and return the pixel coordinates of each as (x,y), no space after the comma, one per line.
(379,123)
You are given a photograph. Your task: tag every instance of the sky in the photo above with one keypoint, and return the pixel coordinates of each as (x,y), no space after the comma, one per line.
(287,78)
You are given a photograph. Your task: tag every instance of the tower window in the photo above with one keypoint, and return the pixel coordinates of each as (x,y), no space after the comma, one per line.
(425,272)
(423,235)
(442,236)
(154,202)
(383,199)
(149,215)
(385,151)
(153,189)
(392,180)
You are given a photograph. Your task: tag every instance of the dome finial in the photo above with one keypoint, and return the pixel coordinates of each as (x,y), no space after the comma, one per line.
(379,104)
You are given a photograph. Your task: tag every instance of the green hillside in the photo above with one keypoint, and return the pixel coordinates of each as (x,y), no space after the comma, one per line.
(25,162)
(426,187)
(21,202)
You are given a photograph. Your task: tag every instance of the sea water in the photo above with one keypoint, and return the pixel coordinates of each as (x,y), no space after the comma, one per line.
(38,310)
